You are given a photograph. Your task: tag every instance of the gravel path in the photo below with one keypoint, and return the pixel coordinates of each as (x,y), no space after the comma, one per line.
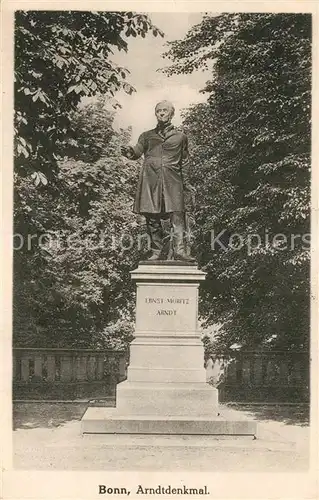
(47,437)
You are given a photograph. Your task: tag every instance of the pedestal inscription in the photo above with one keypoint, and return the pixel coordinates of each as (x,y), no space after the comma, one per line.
(166,307)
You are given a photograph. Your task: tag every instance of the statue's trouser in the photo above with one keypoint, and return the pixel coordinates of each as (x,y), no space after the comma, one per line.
(159,239)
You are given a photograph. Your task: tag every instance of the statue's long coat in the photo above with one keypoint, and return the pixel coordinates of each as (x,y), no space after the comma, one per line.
(162,181)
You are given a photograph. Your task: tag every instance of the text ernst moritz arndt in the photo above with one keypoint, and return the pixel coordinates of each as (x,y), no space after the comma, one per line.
(158,490)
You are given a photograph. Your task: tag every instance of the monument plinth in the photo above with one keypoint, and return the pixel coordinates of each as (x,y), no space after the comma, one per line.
(166,390)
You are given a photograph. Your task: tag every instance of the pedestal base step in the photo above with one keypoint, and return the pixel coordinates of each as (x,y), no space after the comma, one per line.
(110,421)
(142,398)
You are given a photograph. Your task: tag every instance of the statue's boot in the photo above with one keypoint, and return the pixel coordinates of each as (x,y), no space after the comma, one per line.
(154,256)
(184,257)
(179,231)
(155,232)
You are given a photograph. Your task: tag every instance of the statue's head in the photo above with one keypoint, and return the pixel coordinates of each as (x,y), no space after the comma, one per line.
(164,112)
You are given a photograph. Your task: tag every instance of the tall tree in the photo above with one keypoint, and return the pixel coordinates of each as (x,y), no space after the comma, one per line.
(61,56)
(72,282)
(251,144)
(69,176)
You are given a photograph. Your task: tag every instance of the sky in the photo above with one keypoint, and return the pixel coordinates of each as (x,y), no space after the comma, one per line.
(143,58)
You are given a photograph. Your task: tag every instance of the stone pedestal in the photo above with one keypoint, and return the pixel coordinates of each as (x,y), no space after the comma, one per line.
(166,390)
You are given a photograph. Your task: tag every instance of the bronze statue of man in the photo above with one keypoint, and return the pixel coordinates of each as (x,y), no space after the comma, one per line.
(163,184)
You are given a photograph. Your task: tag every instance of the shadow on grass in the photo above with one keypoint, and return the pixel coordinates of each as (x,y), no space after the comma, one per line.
(48,415)
(288,414)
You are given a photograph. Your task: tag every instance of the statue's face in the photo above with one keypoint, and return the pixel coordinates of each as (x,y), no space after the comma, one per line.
(164,113)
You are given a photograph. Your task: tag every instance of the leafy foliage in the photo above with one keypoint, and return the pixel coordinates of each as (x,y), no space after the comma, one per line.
(116,336)
(72,282)
(60,57)
(71,182)
(251,144)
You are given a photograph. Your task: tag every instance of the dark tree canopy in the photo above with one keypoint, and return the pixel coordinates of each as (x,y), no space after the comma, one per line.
(251,165)
(60,57)
(71,182)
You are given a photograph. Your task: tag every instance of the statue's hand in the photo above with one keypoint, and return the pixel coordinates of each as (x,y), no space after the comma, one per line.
(127,151)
